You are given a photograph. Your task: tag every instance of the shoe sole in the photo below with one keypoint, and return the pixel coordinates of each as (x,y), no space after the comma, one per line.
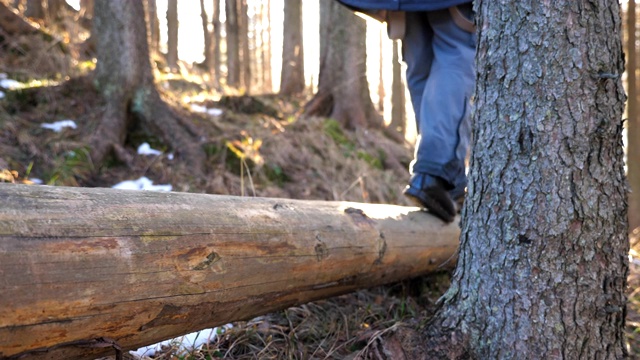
(432,206)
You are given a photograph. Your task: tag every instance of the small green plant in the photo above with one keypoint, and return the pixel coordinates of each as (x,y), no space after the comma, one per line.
(72,166)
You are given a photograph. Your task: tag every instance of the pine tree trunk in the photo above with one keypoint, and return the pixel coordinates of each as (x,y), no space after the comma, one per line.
(292,74)
(172,35)
(207,35)
(245,54)
(153,25)
(95,266)
(268,79)
(633,125)
(233,43)
(398,102)
(343,91)
(124,79)
(543,256)
(216,39)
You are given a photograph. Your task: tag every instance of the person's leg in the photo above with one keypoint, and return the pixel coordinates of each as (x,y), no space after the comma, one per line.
(444,119)
(417,53)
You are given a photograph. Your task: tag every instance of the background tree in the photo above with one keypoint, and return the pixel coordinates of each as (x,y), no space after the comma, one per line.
(233,42)
(216,39)
(153,23)
(265,53)
(245,53)
(292,79)
(398,102)
(207,32)
(124,79)
(172,35)
(543,256)
(633,128)
(343,90)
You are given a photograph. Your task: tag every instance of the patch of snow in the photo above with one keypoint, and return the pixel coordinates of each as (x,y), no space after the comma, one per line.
(145,149)
(36,181)
(198,108)
(184,344)
(59,125)
(10,84)
(170,156)
(214,111)
(141,184)
(203,109)
(1,95)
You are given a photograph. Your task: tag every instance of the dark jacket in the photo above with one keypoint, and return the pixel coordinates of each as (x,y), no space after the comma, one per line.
(403,5)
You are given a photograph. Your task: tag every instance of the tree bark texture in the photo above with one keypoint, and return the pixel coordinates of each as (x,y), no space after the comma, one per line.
(85,268)
(232,28)
(124,79)
(543,258)
(172,34)
(343,90)
(633,127)
(292,80)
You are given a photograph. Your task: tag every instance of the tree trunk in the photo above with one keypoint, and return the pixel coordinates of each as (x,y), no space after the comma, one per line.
(381,91)
(633,127)
(398,102)
(86,268)
(268,79)
(245,54)
(172,35)
(543,256)
(233,43)
(86,8)
(54,8)
(125,81)
(153,24)
(292,74)
(208,37)
(217,38)
(343,91)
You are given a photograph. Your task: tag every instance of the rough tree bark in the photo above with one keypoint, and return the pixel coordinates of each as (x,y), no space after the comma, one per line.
(125,81)
(172,34)
(633,127)
(292,74)
(543,256)
(233,42)
(84,269)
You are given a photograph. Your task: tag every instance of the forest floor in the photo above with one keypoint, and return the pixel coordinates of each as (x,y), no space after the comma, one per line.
(256,146)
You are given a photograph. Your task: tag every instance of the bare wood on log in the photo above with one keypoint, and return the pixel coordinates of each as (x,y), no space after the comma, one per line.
(119,268)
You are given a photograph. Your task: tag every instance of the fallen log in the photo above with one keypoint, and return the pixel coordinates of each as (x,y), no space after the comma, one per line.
(87,270)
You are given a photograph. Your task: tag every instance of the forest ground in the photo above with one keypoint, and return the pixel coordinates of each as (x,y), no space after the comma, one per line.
(257,146)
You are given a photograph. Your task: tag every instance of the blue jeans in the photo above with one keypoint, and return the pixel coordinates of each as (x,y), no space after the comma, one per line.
(441,79)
